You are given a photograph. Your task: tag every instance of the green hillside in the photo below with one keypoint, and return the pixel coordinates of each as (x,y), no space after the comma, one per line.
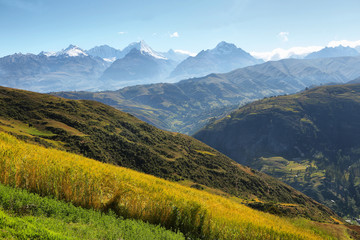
(108,135)
(309,140)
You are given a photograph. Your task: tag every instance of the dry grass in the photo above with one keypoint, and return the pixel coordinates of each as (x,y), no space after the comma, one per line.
(131,194)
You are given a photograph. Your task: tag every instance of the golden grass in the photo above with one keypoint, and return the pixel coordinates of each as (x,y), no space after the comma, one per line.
(205,152)
(92,184)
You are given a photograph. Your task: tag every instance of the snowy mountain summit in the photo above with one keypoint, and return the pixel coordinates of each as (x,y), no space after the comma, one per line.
(72,51)
(144,49)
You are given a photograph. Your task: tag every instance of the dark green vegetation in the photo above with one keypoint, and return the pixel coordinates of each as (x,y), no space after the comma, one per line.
(189,105)
(309,140)
(106,134)
(24,215)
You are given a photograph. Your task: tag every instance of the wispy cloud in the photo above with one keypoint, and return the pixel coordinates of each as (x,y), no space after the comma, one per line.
(185,52)
(345,43)
(284,36)
(121,33)
(174,35)
(280,53)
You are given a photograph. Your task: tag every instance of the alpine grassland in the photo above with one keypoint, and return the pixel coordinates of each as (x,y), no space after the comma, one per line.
(133,195)
(102,133)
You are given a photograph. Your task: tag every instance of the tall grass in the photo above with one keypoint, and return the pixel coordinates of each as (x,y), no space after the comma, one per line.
(25,215)
(131,194)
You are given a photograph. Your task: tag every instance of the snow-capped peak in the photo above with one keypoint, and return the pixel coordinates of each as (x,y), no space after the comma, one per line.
(72,51)
(144,49)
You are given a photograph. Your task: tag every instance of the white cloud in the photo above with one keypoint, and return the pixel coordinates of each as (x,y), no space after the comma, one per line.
(185,52)
(284,36)
(299,52)
(121,33)
(174,35)
(344,43)
(280,53)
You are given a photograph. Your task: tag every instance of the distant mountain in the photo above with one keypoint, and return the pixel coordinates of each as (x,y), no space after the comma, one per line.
(339,51)
(309,140)
(175,55)
(68,69)
(223,58)
(106,52)
(188,105)
(140,65)
(357,80)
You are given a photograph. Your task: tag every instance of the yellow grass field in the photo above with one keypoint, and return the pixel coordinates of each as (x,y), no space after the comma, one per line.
(198,214)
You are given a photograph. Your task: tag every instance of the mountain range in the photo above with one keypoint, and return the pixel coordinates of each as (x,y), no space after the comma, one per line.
(69,69)
(104,67)
(188,105)
(309,140)
(107,68)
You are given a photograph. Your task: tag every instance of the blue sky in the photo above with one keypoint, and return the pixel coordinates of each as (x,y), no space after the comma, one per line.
(192,25)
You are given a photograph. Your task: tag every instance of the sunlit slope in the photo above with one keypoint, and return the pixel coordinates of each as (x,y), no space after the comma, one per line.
(109,135)
(131,194)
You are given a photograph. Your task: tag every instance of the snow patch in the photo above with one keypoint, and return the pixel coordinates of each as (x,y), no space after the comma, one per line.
(109,59)
(72,51)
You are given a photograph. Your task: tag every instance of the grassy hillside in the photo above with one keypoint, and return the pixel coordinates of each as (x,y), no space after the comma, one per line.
(91,184)
(25,215)
(190,104)
(309,140)
(106,134)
